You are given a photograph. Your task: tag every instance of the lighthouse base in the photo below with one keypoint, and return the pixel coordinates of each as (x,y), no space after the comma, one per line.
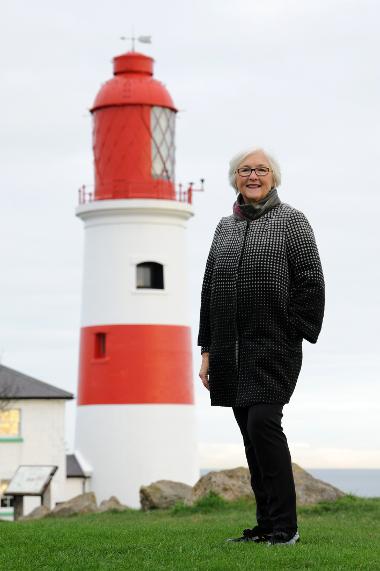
(129,446)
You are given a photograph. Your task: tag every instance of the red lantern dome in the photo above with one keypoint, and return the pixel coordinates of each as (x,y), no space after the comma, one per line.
(134,133)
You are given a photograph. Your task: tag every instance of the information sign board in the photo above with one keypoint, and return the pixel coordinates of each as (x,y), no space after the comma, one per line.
(30,480)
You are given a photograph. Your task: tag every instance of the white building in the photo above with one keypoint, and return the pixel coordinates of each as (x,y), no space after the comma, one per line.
(32,432)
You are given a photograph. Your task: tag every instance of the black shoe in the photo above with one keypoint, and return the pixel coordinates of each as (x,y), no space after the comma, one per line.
(284,538)
(256,534)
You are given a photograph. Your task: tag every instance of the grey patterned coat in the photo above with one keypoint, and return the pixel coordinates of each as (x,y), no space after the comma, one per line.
(263,292)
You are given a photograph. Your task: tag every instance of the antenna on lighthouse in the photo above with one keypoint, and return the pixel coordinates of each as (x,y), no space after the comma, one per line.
(141,39)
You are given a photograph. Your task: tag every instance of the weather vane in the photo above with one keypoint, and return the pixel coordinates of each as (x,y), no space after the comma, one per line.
(133,38)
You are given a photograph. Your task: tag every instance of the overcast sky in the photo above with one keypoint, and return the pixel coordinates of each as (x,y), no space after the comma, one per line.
(300,78)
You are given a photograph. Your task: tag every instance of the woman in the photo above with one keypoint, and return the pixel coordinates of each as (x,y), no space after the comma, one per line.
(262,294)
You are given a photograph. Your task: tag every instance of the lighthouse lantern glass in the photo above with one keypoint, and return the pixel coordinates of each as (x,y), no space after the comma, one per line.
(163,147)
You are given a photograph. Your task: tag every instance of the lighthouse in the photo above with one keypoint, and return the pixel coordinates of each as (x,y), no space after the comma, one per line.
(135,420)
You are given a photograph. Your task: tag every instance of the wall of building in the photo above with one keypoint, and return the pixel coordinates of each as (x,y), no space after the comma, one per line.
(74,487)
(41,442)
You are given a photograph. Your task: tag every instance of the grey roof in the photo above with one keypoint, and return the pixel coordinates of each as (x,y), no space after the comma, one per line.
(16,385)
(73,468)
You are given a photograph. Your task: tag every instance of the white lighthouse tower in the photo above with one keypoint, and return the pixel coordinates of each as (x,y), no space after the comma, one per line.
(135,414)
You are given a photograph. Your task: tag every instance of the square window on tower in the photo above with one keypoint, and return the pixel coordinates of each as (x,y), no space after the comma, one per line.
(150,275)
(100,345)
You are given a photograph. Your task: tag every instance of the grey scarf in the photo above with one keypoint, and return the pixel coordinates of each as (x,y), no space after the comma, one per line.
(251,211)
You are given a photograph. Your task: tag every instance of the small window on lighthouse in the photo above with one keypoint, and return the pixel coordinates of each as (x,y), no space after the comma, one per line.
(100,345)
(163,129)
(150,275)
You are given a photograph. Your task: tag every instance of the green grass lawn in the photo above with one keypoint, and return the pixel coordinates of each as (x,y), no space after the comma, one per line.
(340,535)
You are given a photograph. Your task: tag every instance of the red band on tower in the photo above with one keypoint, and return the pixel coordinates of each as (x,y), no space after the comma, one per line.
(143,363)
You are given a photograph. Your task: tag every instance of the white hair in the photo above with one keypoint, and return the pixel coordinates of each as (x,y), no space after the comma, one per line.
(239,158)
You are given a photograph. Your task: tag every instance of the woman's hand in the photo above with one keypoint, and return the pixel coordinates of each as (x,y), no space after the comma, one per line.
(203,373)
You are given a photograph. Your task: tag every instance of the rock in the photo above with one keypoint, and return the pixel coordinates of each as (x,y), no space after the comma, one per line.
(82,504)
(236,483)
(163,494)
(310,490)
(37,513)
(229,484)
(111,504)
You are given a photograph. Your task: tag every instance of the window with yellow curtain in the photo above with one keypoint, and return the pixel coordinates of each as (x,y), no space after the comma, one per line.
(10,423)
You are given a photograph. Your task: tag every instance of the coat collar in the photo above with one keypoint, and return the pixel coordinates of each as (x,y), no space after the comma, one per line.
(252,211)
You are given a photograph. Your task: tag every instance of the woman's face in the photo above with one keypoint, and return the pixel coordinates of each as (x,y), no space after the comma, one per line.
(253,187)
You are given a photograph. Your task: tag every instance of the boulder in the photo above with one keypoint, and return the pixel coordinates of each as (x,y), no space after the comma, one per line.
(111,504)
(236,483)
(311,490)
(163,494)
(38,513)
(82,504)
(229,484)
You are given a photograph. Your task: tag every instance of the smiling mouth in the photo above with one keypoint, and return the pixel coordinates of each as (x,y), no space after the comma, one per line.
(253,185)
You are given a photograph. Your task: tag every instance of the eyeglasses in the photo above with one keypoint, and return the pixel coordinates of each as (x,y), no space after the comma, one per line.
(259,171)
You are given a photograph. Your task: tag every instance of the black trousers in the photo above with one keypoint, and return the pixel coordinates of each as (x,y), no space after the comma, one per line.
(269,461)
